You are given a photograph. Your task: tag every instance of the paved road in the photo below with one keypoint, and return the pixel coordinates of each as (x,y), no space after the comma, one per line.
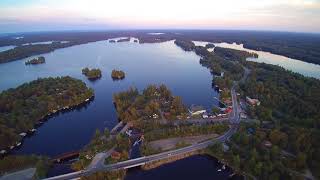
(234,121)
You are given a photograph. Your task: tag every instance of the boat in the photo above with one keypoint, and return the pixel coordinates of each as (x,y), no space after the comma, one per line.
(23,134)
(33,130)
(11,147)
(18,144)
(219,170)
(224,167)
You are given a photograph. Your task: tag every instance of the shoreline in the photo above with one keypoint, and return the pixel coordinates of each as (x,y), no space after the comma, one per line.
(11,150)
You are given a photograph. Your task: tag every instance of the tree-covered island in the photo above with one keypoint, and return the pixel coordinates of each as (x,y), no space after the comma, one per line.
(131,105)
(117,74)
(23,107)
(210,45)
(37,60)
(92,74)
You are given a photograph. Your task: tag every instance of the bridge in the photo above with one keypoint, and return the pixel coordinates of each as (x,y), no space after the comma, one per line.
(65,157)
(234,121)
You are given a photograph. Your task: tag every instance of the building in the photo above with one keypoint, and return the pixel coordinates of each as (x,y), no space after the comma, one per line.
(205,116)
(115,155)
(197,110)
(228,110)
(252,102)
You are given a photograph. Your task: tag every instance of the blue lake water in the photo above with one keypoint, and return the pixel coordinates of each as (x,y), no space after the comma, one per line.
(5,48)
(143,63)
(194,167)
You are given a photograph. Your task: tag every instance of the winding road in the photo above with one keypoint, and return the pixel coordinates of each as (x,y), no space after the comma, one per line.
(234,121)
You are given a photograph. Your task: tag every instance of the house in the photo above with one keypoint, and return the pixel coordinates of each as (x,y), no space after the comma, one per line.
(205,116)
(197,110)
(115,155)
(228,110)
(228,101)
(252,102)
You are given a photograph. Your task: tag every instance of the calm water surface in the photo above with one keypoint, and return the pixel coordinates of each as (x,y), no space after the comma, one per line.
(304,68)
(194,167)
(143,63)
(5,48)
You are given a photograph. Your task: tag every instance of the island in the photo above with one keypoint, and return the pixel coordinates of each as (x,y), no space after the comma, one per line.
(117,74)
(37,60)
(31,103)
(92,74)
(123,40)
(210,45)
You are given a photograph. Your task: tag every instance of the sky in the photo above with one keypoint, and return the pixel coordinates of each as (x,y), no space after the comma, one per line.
(51,15)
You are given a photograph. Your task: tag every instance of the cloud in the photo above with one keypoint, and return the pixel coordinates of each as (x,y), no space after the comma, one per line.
(268,14)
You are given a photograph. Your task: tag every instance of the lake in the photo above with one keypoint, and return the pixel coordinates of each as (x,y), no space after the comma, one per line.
(194,167)
(304,68)
(143,64)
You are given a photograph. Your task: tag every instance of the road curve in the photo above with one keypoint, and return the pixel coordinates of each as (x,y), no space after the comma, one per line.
(234,121)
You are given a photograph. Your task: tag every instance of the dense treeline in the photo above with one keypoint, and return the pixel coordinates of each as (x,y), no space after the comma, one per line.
(92,74)
(131,105)
(286,96)
(117,74)
(305,47)
(249,154)
(291,102)
(300,46)
(223,60)
(29,50)
(185,45)
(21,108)
(233,54)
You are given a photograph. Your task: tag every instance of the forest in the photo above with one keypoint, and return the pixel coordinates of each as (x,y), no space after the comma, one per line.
(132,105)
(304,47)
(92,74)
(117,74)
(291,102)
(23,107)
